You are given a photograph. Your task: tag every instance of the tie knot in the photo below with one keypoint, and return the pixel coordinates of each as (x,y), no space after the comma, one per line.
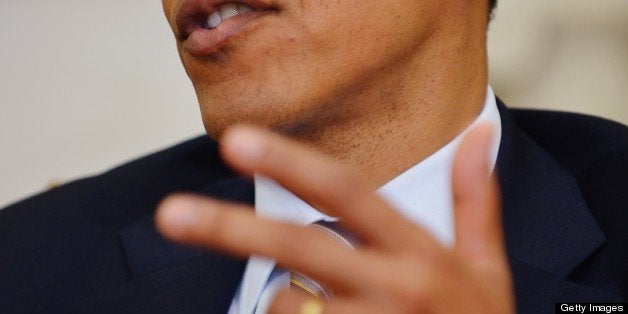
(301,281)
(335,231)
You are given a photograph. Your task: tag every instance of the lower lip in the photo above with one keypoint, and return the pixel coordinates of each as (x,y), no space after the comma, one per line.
(205,42)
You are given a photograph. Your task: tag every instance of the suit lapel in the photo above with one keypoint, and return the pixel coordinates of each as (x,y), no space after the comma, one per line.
(147,251)
(549,229)
(168,277)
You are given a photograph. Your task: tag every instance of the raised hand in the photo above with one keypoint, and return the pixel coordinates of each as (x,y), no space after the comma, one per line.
(397,268)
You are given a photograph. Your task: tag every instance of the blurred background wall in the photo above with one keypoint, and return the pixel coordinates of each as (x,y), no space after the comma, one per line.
(88,85)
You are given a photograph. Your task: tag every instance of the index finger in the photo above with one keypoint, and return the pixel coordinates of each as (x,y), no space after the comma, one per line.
(324,184)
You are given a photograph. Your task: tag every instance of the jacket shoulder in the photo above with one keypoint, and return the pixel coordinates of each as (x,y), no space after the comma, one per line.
(132,186)
(577,141)
(63,243)
(595,150)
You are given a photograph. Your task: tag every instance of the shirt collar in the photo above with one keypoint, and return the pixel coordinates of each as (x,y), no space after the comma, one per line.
(422,193)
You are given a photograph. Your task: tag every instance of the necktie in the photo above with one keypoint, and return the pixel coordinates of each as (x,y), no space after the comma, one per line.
(301,281)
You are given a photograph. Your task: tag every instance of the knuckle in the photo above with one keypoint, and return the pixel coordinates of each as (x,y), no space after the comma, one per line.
(346,188)
(292,240)
(416,284)
(215,224)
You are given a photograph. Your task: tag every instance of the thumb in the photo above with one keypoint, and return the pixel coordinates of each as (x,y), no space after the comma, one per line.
(479,236)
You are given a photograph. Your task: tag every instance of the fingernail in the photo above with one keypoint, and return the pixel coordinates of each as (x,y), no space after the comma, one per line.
(479,156)
(245,143)
(179,212)
(486,142)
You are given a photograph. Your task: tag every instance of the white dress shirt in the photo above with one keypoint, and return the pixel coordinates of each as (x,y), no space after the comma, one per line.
(422,194)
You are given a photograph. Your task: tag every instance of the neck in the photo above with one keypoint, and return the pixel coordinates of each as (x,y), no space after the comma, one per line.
(393,122)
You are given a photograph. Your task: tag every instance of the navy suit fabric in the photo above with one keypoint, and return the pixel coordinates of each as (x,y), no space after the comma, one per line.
(91,245)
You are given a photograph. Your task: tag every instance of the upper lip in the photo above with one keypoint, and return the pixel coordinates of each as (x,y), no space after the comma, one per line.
(193,13)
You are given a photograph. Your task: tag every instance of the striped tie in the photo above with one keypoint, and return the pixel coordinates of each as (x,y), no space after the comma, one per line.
(301,281)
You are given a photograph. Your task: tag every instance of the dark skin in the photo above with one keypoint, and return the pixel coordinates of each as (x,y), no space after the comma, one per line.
(362,83)
(344,97)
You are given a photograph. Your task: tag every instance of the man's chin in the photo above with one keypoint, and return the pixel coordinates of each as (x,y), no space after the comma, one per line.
(216,122)
(285,114)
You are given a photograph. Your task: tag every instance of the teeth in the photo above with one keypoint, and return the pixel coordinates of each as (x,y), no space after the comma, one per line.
(226,11)
(214,20)
(243,8)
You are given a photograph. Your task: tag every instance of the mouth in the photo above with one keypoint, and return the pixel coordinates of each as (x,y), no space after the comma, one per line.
(205,26)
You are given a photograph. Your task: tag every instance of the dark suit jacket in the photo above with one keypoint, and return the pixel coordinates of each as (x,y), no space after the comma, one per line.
(91,246)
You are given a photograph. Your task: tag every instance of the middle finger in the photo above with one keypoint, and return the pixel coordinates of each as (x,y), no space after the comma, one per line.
(325,184)
(235,229)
